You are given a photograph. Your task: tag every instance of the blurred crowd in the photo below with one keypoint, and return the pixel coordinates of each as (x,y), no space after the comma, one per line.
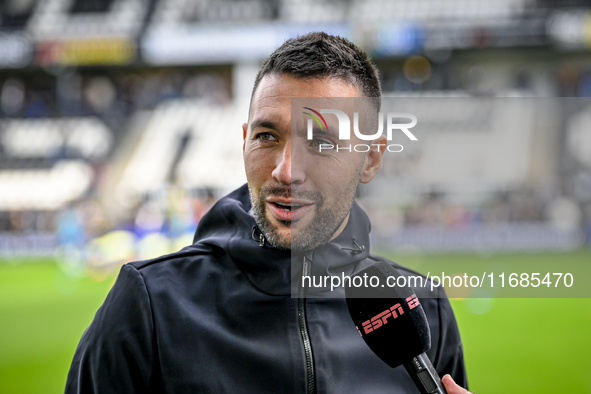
(111,95)
(86,240)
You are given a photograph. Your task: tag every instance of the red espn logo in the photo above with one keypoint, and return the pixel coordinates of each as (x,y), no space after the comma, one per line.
(382,318)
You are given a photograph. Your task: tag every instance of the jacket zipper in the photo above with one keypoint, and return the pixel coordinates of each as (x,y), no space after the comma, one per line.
(310,378)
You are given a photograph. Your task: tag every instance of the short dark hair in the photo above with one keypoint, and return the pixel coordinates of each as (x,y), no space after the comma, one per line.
(317,55)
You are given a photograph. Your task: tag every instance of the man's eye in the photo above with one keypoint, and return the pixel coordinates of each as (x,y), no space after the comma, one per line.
(316,143)
(266,137)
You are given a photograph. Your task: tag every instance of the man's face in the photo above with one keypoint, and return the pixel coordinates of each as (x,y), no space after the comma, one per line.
(300,197)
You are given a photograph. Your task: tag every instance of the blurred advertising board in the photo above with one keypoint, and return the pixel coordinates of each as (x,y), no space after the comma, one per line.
(87,51)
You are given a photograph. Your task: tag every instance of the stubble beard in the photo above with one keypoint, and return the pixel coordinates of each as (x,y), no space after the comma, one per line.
(325,222)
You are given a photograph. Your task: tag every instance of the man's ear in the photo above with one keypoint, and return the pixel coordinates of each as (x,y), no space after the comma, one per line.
(373,159)
(244,128)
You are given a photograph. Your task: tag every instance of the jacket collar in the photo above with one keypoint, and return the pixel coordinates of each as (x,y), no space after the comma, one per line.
(230,226)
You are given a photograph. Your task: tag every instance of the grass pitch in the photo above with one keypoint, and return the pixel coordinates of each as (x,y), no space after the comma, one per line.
(511,345)
(43,314)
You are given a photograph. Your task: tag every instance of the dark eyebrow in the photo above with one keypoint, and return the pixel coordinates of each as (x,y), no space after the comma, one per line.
(264,124)
(320,131)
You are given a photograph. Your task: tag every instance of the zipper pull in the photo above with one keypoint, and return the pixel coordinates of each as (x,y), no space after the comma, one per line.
(358,248)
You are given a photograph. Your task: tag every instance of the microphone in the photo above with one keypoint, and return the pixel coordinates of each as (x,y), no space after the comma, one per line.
(393,324)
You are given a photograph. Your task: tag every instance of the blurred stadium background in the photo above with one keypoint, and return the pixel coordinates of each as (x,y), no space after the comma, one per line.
(120,127)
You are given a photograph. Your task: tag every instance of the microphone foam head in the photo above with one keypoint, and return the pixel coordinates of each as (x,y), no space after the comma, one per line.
(391,320)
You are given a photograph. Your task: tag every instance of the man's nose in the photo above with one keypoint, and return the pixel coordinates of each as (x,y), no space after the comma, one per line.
(288,170)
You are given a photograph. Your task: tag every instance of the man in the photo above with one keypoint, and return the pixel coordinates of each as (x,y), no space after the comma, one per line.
(218,316)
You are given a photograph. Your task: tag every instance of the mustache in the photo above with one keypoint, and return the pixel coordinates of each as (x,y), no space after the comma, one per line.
(290,192)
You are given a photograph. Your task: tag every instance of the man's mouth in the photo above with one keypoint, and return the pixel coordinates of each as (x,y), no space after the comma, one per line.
(286,210)
(288,206)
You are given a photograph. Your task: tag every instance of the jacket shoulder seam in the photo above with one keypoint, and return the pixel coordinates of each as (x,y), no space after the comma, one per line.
(140,264)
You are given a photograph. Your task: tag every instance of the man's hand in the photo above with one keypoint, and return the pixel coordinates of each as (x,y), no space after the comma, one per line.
(452,387)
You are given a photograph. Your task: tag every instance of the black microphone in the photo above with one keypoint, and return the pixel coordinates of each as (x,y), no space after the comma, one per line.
(392,323)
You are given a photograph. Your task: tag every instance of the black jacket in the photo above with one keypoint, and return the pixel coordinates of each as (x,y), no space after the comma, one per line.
(218,317)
